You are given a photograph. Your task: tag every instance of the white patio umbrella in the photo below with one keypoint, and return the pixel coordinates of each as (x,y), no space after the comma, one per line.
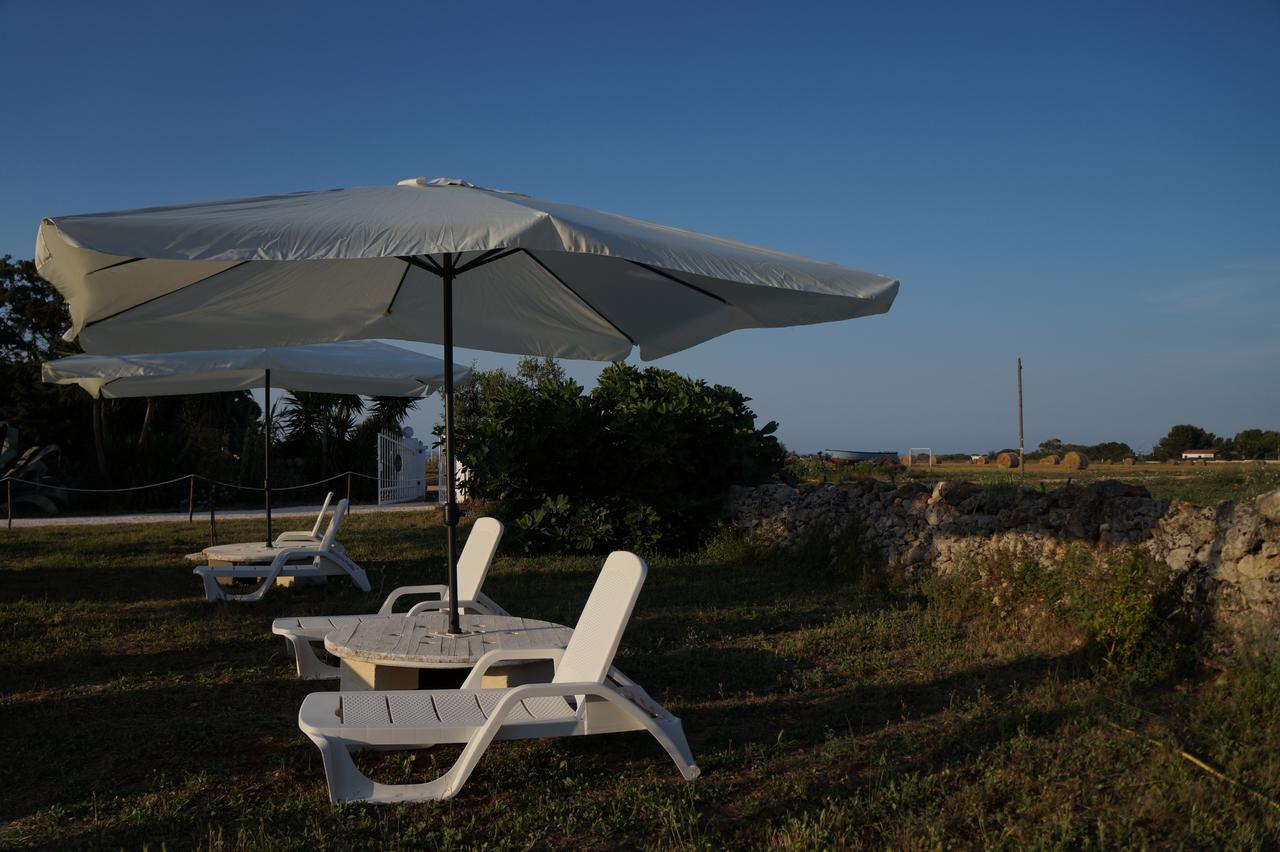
(364,367)
(534,277)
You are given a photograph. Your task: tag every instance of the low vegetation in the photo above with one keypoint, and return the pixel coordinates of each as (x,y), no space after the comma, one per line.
(1203,485)
(1045,706)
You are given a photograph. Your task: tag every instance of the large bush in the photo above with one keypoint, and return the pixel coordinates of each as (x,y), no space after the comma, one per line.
(643,461)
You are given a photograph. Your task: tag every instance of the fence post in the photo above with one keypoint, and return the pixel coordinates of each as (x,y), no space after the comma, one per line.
(213,530)
(191,497)
(348,491)
(8,498)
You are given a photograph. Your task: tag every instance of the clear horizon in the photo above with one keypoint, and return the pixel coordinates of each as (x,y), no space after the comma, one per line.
(1095,189)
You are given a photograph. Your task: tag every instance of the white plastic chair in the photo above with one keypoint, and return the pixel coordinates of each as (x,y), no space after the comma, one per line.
(585,696)
(473,566)
(327,559)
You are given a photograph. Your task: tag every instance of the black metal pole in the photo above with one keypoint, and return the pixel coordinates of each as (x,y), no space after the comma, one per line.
(8,499)
(451,503)
(191,497)
(266,450)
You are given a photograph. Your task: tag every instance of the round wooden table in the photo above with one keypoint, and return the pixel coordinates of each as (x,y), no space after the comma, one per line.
(253,553)
(389,652)
(244,553)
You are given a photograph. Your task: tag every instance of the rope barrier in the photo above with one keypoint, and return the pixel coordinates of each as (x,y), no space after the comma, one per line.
(322,481)
(183,478)
(96,490)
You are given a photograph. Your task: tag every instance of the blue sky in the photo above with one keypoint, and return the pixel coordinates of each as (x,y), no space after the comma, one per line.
(1093,186)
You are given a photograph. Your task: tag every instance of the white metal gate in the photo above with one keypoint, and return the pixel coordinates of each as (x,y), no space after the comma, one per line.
(402,468)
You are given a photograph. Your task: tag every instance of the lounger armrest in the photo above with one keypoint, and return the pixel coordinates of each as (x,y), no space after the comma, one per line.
(499,655)
(296,535)
(396,594)
(291,553)
(443,603)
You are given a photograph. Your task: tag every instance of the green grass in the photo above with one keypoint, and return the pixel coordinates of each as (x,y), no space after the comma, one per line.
(827,708)
(1204,486)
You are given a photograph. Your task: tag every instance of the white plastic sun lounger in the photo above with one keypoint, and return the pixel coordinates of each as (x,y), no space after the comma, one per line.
(473,566)
(263,552)
(326,559)
(584,697)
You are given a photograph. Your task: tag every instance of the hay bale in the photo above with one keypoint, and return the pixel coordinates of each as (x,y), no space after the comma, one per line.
(1075,461)
(934,460)
(980,460)
(1129,462)
(1049,460)
(906,459)
(1007,460)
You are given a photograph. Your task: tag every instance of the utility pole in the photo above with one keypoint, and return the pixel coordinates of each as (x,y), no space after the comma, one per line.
(1022,461)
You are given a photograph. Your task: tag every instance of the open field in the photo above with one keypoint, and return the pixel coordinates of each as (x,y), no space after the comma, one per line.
(1202,485)
(825,707)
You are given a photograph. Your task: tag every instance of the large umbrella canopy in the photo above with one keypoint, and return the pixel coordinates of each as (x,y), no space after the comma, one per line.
(364,367)
(533,277)
(556,279)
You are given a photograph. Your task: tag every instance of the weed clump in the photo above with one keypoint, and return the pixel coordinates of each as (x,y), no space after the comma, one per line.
(1124,609)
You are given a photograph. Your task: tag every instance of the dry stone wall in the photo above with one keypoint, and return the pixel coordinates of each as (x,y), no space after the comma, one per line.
(1227,555)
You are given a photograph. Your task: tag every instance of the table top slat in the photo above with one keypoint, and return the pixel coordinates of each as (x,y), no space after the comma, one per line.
(421,641)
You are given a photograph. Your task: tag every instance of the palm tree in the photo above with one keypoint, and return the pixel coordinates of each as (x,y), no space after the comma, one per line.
(322,420)
(388,412)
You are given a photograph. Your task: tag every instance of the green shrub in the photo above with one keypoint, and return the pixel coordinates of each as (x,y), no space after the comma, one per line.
(643,461)
(1140,623)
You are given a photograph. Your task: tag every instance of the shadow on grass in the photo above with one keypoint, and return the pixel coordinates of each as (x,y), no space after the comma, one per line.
(806,717)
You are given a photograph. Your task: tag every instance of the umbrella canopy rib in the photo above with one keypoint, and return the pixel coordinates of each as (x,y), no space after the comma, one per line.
(580,297)
(667,275)
(399,284)
(488,257)
(499,254)
(113,266)
(162,295)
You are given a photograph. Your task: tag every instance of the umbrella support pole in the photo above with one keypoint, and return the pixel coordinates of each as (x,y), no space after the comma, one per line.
(266,449)
(451,500)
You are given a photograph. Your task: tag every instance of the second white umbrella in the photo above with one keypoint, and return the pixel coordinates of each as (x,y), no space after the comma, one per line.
(363,367)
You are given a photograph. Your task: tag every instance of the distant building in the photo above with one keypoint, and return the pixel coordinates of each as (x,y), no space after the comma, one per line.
(1200,455)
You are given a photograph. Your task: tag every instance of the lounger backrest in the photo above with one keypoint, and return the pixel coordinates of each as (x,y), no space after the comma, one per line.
(595,639)
(315,530)
(477,556)
(331,534)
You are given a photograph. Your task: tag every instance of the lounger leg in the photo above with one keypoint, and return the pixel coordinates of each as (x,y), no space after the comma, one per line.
(348,784)
(666,729)
(310,666)
(212,591)
(670,733)
(256,594)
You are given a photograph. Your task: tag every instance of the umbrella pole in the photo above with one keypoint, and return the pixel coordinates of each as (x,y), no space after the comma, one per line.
(451,503)
(266,449)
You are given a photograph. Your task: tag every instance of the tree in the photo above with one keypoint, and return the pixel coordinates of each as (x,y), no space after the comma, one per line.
(643,461)
(1051,447)
(1109,450)
(320,425)
(33,315)
(1256,444)
(1184,437)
